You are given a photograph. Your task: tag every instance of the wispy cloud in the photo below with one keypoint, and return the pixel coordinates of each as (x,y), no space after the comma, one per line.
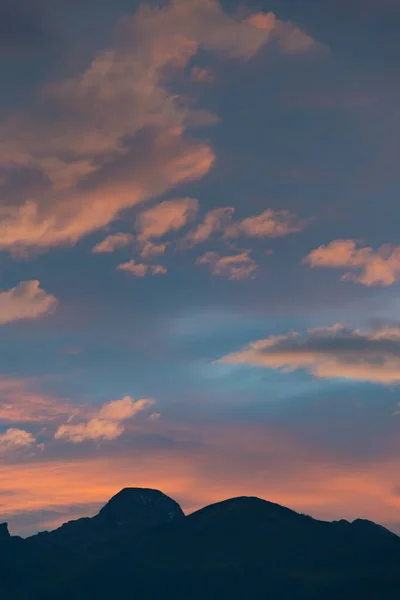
(236,266)
(119,132)
(165,217)
(270,223)
(202,75)
(22,402)
(26,301)
(331,352)
(214,221)
(150,250)
(114,242)
(141,269)
(107,424)
(367,266)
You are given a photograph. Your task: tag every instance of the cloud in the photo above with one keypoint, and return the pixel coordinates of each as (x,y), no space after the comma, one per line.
(235,267)
(114,242)
(26,301)
(20,402)
(166,217)
(117,134)
(214,221)
(375,267)
(330,353)
(16,438)
(151,250)
(201,75)
(270,223)
(141,269)
(291,39)
(107,424)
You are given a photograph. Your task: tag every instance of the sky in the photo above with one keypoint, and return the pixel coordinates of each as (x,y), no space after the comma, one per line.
(200,269)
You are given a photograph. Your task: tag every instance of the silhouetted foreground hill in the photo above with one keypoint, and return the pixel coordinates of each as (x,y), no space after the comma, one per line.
(141,545)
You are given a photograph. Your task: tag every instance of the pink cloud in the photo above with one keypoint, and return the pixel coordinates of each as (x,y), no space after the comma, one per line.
(170,215)
(141,269)
(375,267)
(236,267)
(214,221)
(16,438)
(201,75)
(151,250)
(107,424)
(135,143)
(113,242)
(336,352)
(26,301)
(270,223)
(21,402)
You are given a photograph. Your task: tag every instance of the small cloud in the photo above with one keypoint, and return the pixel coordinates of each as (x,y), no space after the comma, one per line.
(158,270)
(26,301)
(107,424)
(16,438)
(155,416)
(270,223)
(168,216)
(151,250)
(290,38)
(201,75)
(235,267)
(214,221)
(73,351)
(113,242)
(367,266)
(141,269)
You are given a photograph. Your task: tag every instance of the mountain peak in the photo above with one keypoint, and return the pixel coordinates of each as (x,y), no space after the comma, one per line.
(4,533)
(140,506)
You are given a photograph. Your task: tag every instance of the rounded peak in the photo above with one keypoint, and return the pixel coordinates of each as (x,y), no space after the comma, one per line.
(248,505)
(138,506)
(137,492)
(369,527)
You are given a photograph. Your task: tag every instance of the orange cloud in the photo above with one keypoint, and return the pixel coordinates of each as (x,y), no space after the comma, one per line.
(378,267)
(167,216)
(235,267)
(270,223)
(141,269)
(107,424)
(26,301)
(113,242)
(331,352)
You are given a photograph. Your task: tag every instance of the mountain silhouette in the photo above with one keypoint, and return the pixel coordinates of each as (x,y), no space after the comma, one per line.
(141,545)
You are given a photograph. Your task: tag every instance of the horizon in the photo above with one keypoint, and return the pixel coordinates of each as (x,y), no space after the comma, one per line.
(187,514)
(200,260)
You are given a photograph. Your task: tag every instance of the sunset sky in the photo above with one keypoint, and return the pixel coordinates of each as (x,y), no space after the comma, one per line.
(200,269)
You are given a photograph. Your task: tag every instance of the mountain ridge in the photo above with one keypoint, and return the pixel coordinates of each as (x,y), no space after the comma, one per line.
(141,542)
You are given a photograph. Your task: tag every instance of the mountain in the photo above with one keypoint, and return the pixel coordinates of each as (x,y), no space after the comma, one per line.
(141,545)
